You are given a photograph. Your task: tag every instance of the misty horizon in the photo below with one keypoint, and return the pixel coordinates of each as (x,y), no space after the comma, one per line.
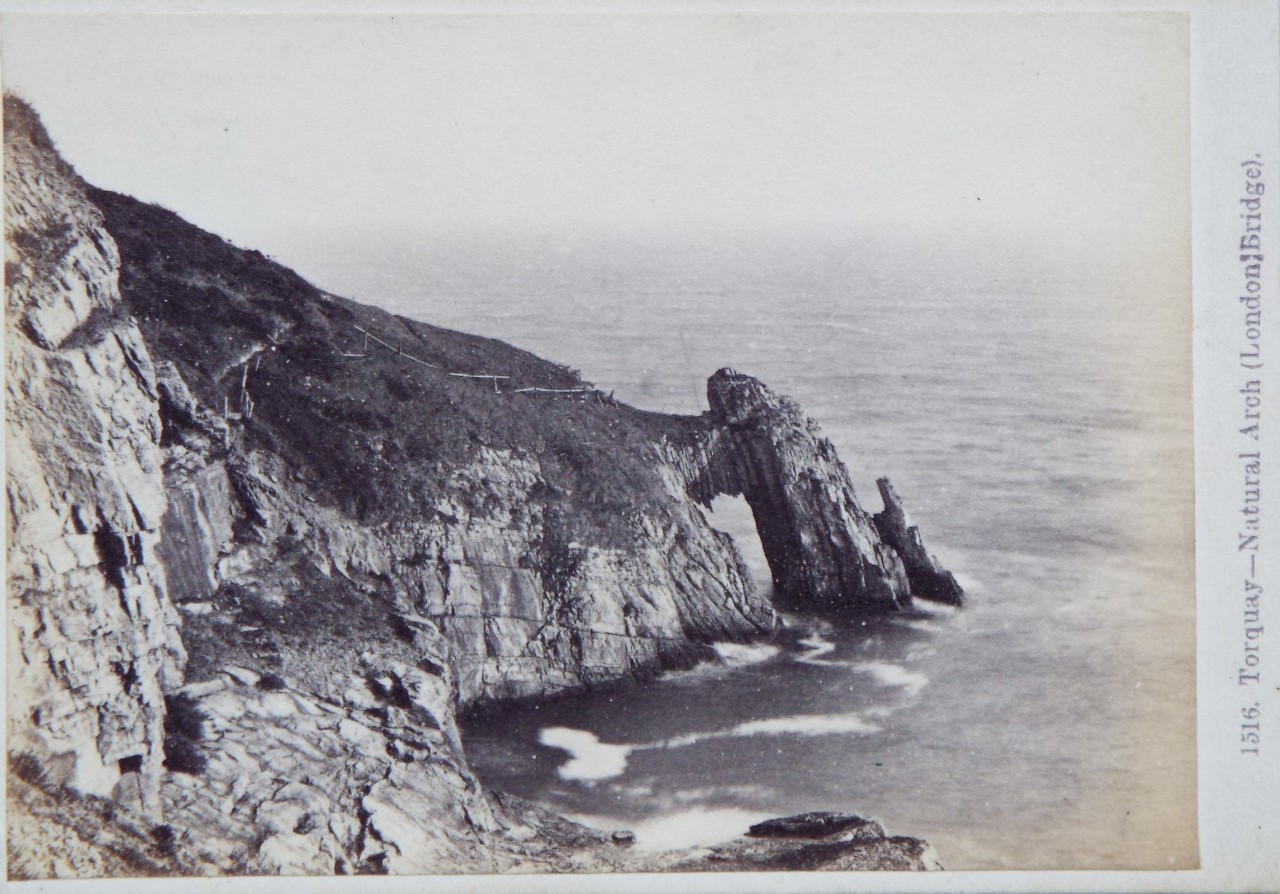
(1019,138)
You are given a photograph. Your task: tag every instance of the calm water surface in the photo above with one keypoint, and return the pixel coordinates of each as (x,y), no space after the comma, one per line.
(1037,428)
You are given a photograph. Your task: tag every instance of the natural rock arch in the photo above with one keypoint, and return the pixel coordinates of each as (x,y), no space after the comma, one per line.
(825,552)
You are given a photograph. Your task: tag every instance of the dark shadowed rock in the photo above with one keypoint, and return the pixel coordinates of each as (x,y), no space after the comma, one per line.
(899,853)
(929,580)
(823,549)
(814,842)
(819,824)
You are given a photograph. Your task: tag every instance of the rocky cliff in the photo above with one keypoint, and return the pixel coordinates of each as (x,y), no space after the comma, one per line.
(315,445)
(92,637)
(364,522)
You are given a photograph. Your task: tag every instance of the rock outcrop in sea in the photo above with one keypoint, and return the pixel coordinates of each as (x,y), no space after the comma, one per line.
(925,574)
(826,554)
(266,542)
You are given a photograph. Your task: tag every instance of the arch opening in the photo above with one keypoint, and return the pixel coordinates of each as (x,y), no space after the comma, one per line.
(733,516)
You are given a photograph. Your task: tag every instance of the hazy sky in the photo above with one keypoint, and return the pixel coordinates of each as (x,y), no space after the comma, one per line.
(1057,131)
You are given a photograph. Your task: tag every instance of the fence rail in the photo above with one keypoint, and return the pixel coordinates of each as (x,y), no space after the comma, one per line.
(400,352)
(247,404)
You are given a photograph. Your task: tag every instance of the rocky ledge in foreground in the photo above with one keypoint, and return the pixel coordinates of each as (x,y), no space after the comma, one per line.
(815,841)
(819,841)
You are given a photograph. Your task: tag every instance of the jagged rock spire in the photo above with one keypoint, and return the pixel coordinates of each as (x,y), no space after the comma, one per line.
(928,579)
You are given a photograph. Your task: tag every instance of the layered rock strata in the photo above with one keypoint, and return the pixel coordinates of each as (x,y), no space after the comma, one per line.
(543,538)
(92,637)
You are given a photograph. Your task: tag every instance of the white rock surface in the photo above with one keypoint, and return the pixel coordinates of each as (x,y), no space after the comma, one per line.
(93,638)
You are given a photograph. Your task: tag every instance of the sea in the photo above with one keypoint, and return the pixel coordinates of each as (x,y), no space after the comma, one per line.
(1033,410)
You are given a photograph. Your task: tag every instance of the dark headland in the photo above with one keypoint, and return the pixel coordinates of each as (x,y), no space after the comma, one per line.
(266,542)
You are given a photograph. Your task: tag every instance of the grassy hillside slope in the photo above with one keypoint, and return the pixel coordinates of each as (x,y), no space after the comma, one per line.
(370,430)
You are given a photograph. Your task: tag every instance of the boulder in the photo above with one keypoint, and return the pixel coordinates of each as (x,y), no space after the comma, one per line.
(816,825)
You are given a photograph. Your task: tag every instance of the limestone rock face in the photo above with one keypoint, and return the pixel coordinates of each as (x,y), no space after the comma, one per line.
(513,607)
(825,552)
(822,547)
(93,638)
(370,781)
(527,611)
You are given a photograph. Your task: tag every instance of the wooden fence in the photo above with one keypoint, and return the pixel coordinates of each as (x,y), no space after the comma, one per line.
(245,410)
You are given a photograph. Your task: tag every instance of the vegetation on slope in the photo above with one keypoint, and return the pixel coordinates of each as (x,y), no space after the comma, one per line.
(371,431)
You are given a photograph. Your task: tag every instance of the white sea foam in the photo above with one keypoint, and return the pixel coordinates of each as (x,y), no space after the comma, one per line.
(806,725)
(701,795)
(694,828)
(926,616)
(888,674)
(589,758)
(633,791)
(688,739)
(738,654)
(817,647)
(729,655)
(916,653)
(678,830)
(794,725)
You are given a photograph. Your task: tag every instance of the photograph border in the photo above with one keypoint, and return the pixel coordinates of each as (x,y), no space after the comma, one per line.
(1235,129)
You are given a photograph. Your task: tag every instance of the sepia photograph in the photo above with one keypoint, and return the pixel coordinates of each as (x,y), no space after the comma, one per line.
(513,444)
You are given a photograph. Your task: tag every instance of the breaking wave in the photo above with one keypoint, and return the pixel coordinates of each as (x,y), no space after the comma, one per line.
(887,674)
(816,647)
(591,760)
(806,725)
(680,830)
(738,654)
